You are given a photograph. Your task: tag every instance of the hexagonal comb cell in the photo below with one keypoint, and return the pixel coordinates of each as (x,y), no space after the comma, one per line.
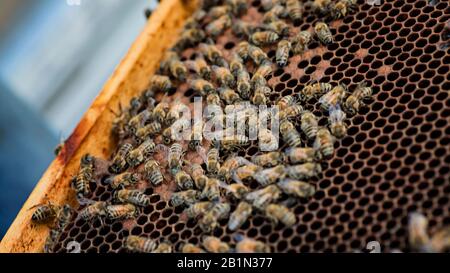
(394,160)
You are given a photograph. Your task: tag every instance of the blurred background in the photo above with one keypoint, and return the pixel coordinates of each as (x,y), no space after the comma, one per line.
(55,56)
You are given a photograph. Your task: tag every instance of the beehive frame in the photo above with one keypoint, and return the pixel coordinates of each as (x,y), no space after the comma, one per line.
(395,159)
(130,77)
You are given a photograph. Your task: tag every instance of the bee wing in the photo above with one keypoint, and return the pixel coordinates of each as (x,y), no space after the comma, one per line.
(84,201)
(336,114)
(202,152)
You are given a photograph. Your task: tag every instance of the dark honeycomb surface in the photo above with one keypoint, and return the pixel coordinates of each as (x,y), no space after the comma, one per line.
(394,160)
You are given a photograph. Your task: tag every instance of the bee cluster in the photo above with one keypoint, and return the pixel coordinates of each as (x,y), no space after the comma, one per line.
(217,187)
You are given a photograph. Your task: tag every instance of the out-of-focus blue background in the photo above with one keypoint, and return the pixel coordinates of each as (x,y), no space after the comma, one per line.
(55,56)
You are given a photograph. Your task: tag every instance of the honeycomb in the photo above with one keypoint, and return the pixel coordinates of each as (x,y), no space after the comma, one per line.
(394,160)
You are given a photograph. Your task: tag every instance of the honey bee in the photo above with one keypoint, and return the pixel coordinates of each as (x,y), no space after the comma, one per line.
(119,162)
(45,213)
(63,218)
(163,248)
(219,11)
(302,155)
(249,171)
(301,41)
(160,83)
(440,241)
(238,7)
(218,26)
(259,96)
(274,14)
(247,245)
(212,162)
(243,50)
(228,95)
(121,211)
(183,180)
(147,131)
(212,54)
(267,140)
(140,244)
(236,190)
(94,210)
(120,123)
(341,8)
(232,163)
(172,64)
(257,55)
(197,173)
(123,180)
(269,4)
(270,159)
(239,215)
(309,124)
(215,245)
(198,209)
(279,27)
(290,134)
(262,197)
(334,97)
(209,221)
(213,99)
(292,111)
(178,69)
(278,213)
(211,190)
(315,90)
(190,248)
(175,113)
(201,86)
(195,19)
(324,142)
(223,76)
(321,6)
(323,33)
(261,38)
(304,171)
(80,182)
(190,37)
(153,173)
(236,64)
(187,198)
(175,155)
(336,120)
(286,101)
(200,67)
(167,135)
(354,101)
(234,141)
(241,28)
(259,78)
(296,188)
(282,53)
(417,231)
(294,9)
(270,176)
(134,197)
(138,120)
(143,151)
(160,112)
(243,83)
(135,105)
